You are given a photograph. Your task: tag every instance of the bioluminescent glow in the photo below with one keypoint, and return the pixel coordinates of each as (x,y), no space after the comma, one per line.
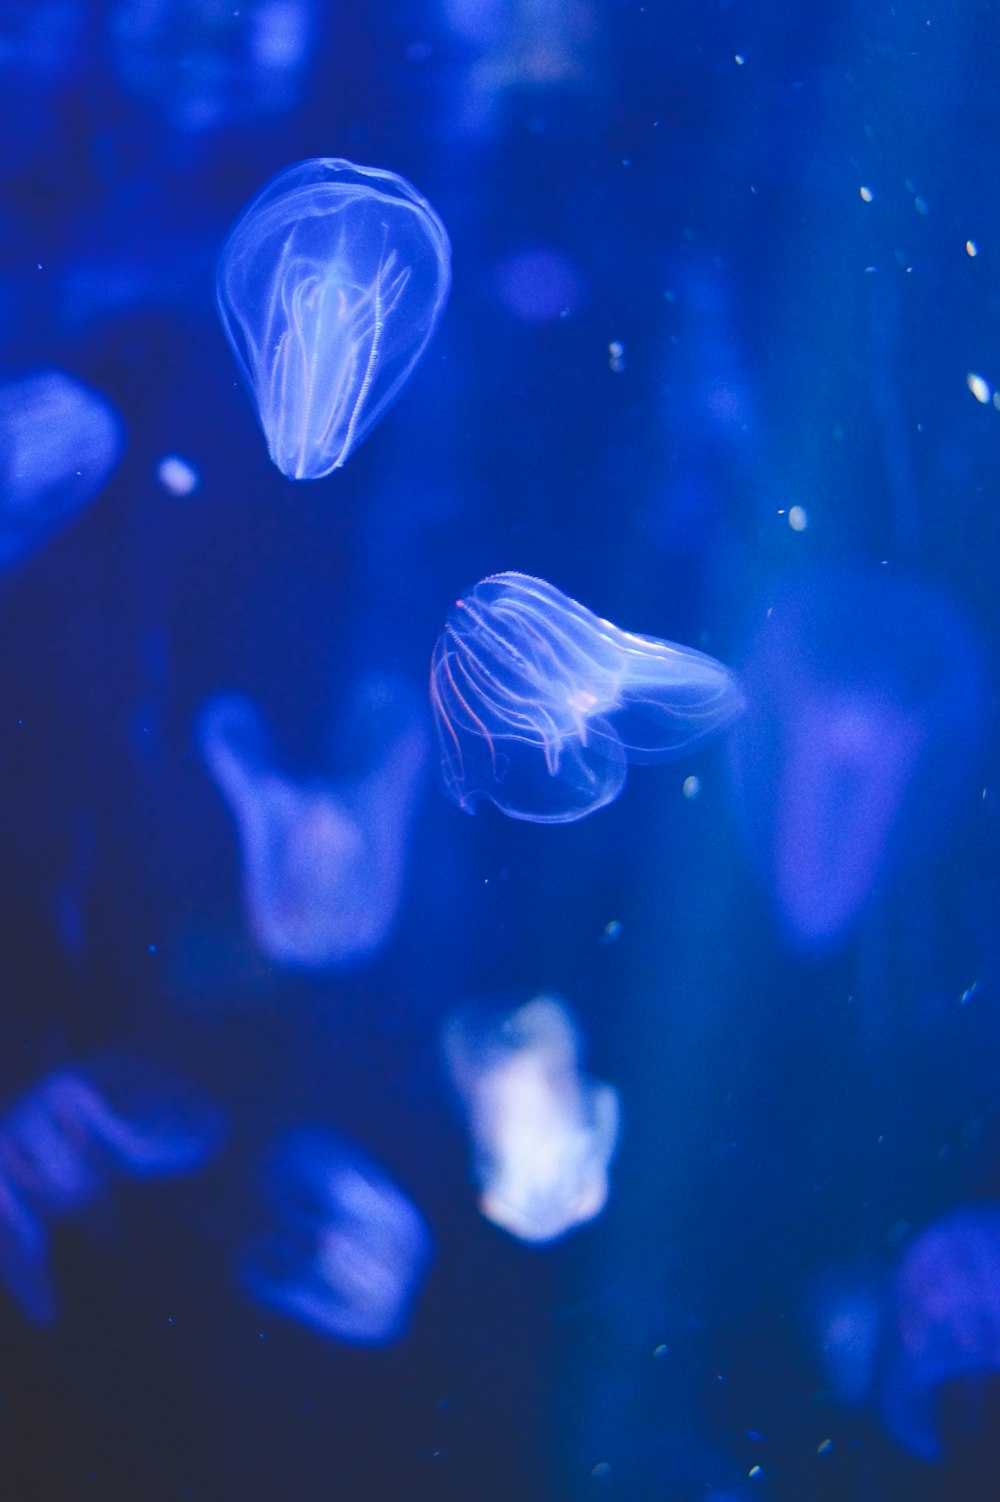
(865,700)
(59,443)
(540,704)
(944,1321)
(323,863)
(349,1250)
(61,1144)
(543,1134)
(329,288)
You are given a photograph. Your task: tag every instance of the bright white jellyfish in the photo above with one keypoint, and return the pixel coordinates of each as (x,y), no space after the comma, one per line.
(543,1133)
(348,1250)
(329,288)
(323,863)
(59,443)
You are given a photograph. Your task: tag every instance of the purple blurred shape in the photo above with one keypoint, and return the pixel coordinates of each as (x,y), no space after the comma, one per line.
(59,443)
(944,1321)
(323,864)
(350,1250)
(543,1133)
(865,697)
(61,1144)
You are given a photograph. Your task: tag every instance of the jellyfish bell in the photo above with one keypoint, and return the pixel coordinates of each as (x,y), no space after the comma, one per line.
(330,287)
(865,700)
(540,705)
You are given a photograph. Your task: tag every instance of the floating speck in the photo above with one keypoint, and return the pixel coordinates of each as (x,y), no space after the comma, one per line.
(740,59)
(971,248)
(825,1447)
(980,388)
(611,932)
(797,518)
(616,354)
(866,194)
(692,787)
(968,994)
(660,1352)
(177,475)
(601,1469)
(754,1472)
(921,205)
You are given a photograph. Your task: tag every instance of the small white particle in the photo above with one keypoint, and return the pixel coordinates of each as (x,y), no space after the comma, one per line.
(797,518)
(866,194)
(692,787)
(980,388)
(177,475)
(971,248)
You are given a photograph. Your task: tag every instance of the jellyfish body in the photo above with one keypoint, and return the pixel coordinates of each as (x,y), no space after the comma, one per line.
(543,1134)
(944,1322)
(349,1250)
(540,705)
(61,1144)
(329,287)
(323,865)
(59,443)
(865,701)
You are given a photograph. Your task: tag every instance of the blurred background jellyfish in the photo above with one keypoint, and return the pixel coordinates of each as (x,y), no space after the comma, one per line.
(329,288)
(61,1144)
(323,864)
(206,64)
(941,1377)
(540,705)
(349,1251)
(844,1312)
(543,1134)
(59,443)
(865,697)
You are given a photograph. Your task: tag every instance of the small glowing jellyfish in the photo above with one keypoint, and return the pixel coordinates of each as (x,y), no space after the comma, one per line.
(59,443)
(329,287)
(323,864)
(543,1134)
(349,1251)
(61,1144)
(540,705)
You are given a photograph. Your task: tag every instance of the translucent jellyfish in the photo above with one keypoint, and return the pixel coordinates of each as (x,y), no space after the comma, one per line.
(945,1323)
(540,705)
(59,443)
(329,287)
(543,1134)
(323,864)
(349,1251)
(865,699)
(208,63)
(61,1144)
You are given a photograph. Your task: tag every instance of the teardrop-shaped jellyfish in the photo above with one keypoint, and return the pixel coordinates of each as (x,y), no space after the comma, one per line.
(543,1134)
(323,863)
(540,704)
(329,288)
(59,442)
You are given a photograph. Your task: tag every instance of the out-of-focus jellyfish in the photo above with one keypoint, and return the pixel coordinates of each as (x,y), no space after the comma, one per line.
(865,700)
(540,705)
(543,1133)
(204,64)
(329,287)
(177,476)
(61,1144)
(349,1251)
(323,864)
(40,52)
(59,443)
(844,1311)
(943,1324)
(539,285)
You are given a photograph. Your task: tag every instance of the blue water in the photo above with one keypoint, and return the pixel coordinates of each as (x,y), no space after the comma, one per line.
(352,1146)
